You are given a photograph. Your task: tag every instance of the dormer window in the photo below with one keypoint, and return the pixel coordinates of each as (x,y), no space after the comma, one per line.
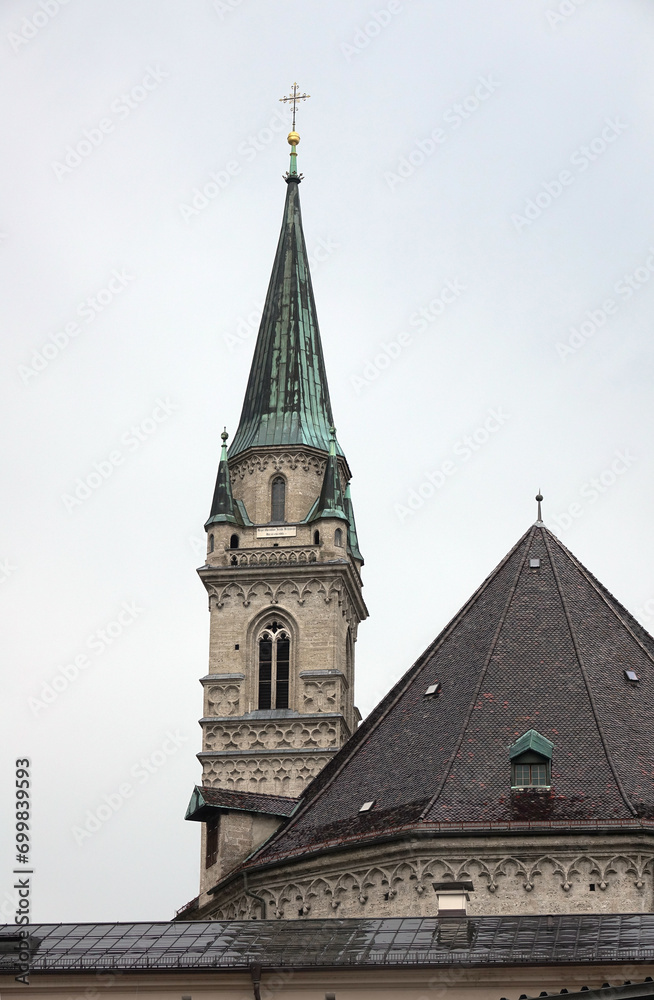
(531,761)
(278,500)
(526,775)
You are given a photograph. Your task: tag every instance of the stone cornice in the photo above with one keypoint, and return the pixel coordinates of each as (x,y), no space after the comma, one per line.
(218,579)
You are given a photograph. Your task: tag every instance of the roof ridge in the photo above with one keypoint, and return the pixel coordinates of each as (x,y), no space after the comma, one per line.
(604,594)
(482,674)
(387,703)
(577,650)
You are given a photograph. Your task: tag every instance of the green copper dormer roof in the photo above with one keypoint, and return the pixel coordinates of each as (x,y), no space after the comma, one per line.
(331,502)
(223,510)
(287,398)
(352,539)
(532,740)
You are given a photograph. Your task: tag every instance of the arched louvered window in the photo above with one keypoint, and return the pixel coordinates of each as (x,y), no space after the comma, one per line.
(278,498)
(233,542)
(274,646)
(338,537)
(210,543)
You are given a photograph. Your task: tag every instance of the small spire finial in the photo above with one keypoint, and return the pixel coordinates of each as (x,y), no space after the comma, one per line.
(223,450)
(539,500)
(293,137)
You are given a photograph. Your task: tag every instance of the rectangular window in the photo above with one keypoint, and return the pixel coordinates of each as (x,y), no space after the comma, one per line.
(530,776)
(211,846)
(538,774)
(521,775)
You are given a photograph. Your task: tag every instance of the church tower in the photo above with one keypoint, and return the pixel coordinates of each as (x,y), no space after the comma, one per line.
(282,574)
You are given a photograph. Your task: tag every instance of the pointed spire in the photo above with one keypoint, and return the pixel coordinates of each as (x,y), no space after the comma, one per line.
(352,538)
(223,510)
(287,397)
(330,502)
(539,500)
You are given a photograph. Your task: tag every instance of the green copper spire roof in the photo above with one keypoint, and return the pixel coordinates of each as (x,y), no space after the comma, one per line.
(222,508)
(330,502)
(287,398)
(352,539)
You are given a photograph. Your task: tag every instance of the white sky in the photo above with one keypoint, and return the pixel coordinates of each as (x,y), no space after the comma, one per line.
(384,78)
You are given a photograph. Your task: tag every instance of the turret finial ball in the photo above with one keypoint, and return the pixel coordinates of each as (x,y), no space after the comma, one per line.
(293,138)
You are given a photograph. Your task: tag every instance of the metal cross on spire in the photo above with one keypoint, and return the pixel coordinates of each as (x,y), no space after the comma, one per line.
(293,98)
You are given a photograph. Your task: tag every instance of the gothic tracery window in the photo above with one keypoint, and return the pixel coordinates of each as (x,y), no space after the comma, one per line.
(274,647)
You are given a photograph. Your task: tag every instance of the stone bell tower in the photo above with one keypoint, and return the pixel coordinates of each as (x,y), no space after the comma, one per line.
(283,577)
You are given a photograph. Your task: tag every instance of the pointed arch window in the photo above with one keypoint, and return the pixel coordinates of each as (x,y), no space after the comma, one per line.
(278,499)
(274,651)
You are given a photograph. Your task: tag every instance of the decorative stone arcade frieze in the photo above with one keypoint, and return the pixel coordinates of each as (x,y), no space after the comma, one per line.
(397,881)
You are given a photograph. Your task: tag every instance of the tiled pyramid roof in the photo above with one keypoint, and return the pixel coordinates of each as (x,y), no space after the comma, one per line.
(536,647)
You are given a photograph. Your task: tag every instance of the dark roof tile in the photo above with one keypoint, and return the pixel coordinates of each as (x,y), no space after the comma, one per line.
(535,648)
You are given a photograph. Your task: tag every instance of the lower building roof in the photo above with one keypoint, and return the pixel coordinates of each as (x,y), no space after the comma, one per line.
(386,942)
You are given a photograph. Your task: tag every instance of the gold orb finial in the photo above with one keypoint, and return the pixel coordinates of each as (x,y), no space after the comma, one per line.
(293,138)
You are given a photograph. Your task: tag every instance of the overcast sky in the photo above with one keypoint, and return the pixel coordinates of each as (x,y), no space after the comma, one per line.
(477,205)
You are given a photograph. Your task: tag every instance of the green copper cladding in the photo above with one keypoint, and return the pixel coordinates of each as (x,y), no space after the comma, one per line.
(352,538)
(532,740)
(223,510)
(330,502)
(287,398)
